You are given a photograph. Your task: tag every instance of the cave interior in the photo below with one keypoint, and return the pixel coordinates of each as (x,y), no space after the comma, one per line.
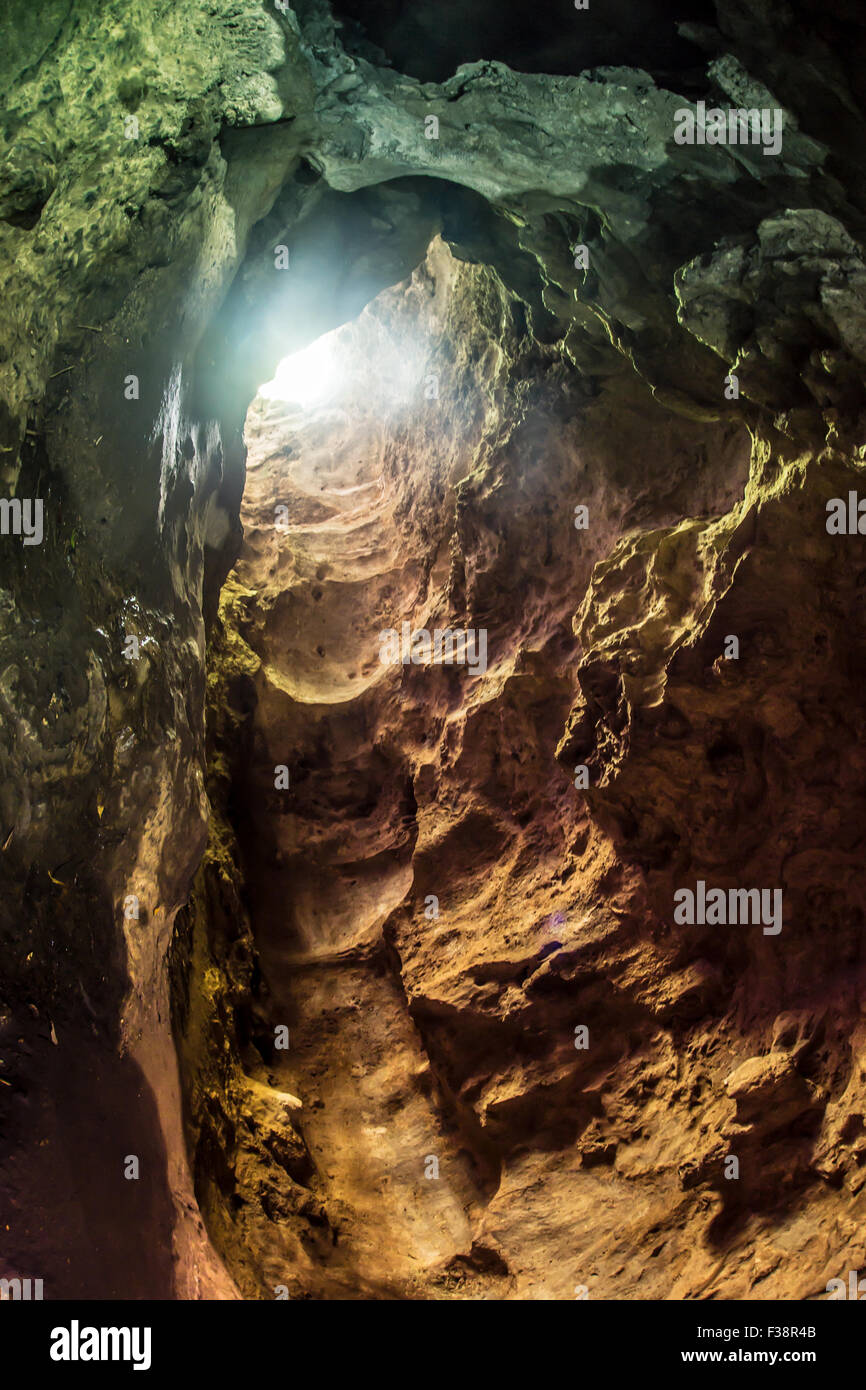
(432,775)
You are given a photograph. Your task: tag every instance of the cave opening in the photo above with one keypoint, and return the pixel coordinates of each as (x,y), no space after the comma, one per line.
(357,449)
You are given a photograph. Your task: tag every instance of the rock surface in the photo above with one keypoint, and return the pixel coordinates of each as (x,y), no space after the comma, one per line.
(153,159)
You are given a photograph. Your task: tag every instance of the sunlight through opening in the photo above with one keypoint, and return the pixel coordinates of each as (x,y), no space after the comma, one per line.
(306,378)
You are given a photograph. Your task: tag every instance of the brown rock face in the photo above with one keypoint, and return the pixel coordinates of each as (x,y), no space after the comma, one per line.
(499,1061)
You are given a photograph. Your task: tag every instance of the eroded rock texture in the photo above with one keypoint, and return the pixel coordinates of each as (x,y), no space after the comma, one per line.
(153,158)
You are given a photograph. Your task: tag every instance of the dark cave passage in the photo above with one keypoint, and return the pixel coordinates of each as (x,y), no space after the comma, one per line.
(430,41)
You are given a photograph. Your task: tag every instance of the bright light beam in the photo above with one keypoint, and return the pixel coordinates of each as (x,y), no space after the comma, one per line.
(306,378)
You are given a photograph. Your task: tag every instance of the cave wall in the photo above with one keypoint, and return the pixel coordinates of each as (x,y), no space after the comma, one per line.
(414,1035)
(153,155)
(117,250)
(452,1035)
